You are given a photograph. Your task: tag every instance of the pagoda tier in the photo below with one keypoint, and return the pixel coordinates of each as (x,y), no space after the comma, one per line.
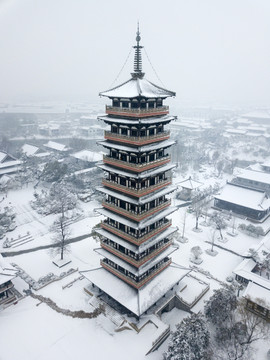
(136,235)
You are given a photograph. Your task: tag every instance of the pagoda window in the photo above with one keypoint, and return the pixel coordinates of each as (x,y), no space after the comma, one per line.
(152,157)
(159,102)
(134,104)
(124,131)
(143,131)
(134,132)
(151,104)
(114,129)
(125,104)
(143,104)
(122,181)
(152,181)
(114,154)
(116,103)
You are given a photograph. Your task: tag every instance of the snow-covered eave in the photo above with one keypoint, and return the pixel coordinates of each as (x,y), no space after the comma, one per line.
(138,201)
(138,249)
(160,215)
(146,148)
(150,120)
(142,175)
(134,270)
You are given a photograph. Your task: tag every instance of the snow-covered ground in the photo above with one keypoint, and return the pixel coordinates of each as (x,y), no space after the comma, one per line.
(31,330)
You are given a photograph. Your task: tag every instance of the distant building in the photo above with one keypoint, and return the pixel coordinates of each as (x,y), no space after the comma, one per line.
(8,164)
(32,150)
(87,156)
(253,204)
(254,179)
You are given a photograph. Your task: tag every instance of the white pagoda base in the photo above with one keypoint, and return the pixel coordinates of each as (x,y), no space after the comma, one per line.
(137,301)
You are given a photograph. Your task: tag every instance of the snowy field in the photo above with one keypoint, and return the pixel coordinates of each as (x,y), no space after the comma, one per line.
(31,330)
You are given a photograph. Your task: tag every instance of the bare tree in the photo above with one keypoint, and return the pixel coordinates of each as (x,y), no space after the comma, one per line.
(61,235)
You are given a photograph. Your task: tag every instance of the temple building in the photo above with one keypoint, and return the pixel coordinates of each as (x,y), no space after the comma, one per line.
(136,235)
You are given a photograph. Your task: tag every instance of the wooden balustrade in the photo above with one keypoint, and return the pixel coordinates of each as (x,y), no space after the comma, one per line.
(136,192)
(131,214)
(136,167)
(133,261)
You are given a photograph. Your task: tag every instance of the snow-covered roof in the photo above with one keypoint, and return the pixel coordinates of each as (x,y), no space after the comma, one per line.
(190,184)
(145,148)
(4,156)
(257,176)
(87,155)
(136,87)
(149,120)
(29,150)
(248,198)
(56,146)
(142,200)
(258,294)
(141,175)
(7,271)
(10,165)
(135,225)
(137,301)
(236,131)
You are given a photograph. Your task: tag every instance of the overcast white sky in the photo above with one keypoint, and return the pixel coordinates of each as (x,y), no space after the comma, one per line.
(211,51)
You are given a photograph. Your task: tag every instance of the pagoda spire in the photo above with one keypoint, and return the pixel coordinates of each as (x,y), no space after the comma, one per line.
(138,57)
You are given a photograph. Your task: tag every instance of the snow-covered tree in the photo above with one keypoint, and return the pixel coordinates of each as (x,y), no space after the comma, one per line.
(190,341)
(196,252)
(219,222)
(220,306)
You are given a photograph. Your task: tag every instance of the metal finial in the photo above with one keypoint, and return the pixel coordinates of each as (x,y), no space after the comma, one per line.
(138,56)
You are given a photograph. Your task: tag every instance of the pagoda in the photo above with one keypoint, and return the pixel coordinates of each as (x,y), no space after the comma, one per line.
(136,235)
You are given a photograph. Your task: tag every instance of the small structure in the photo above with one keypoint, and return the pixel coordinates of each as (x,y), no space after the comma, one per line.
(250,203)
(258,300)
(7,274)
(188,188)
(257,292)
(87,156)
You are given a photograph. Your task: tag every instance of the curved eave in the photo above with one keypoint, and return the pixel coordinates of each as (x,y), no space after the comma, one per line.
(137,88)
(143,200)
(137,225)
(150,120)
(138,249)
(146,148)
(142,175)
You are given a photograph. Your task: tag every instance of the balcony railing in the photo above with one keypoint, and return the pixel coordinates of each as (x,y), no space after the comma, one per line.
(131,214)
(161,110)
(131,281)
(137,192)
(137,140)
(131,238)
(131,260)
(136,167)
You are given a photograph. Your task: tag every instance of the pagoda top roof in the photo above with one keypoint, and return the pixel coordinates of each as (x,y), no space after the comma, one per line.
(137,87)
